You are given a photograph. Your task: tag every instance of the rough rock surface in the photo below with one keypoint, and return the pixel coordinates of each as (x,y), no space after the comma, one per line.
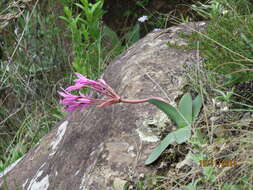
(100,147)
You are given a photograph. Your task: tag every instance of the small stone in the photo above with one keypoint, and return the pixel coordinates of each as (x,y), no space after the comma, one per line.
(187,161)
(133,155)
(130,148)
(162,165)
(225,108)
(104,156)
(141,176)
(218,104)
(119,184)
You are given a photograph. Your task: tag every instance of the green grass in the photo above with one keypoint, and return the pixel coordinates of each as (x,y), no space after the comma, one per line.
(32,68)
(226,44)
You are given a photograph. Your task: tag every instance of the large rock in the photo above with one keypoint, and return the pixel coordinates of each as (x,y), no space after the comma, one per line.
(102,147)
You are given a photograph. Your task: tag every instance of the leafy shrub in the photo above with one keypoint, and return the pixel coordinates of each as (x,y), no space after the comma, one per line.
(86,37)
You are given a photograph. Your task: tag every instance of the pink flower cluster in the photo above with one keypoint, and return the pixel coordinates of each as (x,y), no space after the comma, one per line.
(74,102)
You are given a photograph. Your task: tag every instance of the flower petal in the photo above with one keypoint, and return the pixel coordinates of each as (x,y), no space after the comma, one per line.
(102,81)
(83,80)
(77,86)
(67,95)
(84,100)
(81,76)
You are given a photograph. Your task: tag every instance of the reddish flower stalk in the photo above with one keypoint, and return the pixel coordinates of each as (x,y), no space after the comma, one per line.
(73,102)
(140,100)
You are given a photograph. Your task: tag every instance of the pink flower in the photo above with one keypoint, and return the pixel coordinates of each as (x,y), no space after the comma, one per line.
(68,96)
(73,102)
(83,80)
(77,86)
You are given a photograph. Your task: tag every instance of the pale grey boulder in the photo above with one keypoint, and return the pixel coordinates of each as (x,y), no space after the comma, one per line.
(100,147)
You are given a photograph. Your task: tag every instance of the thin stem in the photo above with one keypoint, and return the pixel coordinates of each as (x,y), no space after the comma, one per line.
(96,100)
(134,101)
(141,100)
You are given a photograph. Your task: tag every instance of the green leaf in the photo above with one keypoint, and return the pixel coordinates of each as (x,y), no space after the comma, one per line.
(96,6)
(246,40)
(179,136)
(182,135)
(112,37)
(85,2)
(169,139)
(185,107)
(186,113)
(80,6)
(68,12)
(133,35)
(196,107)
(171,112)
(64,18)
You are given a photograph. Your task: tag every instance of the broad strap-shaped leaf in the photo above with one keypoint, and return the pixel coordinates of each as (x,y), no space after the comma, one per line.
(171,112)
(169,139)
(182,135)
(185,107)
(179,136)
(196,107)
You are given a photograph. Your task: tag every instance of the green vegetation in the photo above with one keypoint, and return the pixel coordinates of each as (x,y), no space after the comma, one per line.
(227,43)
(43,43)
(222,134)
(184,116)
(32,67)
(86,37)
(38,56)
